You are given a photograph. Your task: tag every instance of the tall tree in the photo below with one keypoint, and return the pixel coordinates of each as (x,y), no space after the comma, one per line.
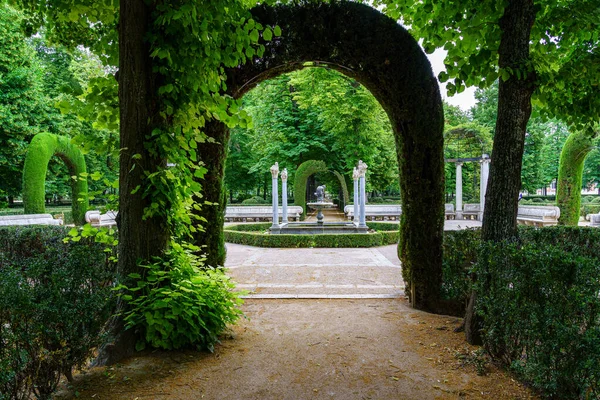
(533,47)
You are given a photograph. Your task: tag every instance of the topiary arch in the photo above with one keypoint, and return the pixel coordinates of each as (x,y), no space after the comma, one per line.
(363,44)
(41,149)
(303,172)
(570,175)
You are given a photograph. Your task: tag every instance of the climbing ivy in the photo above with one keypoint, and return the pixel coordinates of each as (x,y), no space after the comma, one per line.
(42,147)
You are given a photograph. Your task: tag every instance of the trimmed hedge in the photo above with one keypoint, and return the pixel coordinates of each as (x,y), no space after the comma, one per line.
(303,171)
(55,298)
(41,149)
(256,235)
(539,302)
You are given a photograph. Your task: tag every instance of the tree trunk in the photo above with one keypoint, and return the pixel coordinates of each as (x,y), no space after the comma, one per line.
(570,175)
(213,155)
(139,239)
(514,110)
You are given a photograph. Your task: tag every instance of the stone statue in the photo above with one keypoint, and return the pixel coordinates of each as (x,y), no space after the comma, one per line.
(284,174)
(320,193)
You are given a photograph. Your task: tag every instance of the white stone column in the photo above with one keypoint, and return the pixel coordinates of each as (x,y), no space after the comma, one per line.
(483,181)
(459,190)
(356,196)
(274,174)
(284,200)
(362,170)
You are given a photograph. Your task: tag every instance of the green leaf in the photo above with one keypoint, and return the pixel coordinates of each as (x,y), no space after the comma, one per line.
(267,33)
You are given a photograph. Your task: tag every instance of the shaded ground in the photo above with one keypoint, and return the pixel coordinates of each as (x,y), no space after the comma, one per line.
(313,349)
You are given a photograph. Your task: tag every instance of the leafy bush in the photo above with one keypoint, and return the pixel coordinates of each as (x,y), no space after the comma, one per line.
(590,208)
(256,235)
(541,314)
(460,254)
(55,298)
(256,200)
(176,304)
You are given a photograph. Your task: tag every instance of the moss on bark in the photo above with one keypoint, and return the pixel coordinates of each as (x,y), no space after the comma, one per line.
(210,227)
(41,149)
(570,174)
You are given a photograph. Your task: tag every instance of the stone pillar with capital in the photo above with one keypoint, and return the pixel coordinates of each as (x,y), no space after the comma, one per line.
(362,171)
(284,200)
(274,174)
(459,191)
(355,177)
(483,181)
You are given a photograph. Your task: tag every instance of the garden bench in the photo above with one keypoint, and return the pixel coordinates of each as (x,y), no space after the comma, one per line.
(257,213)
(471,211)
(94,218)
(538,215)
(449,211)
(29,219)
(595,220)
(384,212)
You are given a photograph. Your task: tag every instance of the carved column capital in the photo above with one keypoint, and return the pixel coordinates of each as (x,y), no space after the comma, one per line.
(275,170)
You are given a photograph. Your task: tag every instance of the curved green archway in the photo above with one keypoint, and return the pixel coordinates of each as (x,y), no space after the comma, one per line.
(570,175)
(373,49)
(42,147)
(304,171)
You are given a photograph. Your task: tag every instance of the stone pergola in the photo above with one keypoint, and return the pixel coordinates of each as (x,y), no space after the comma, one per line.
(484,163)
(360,195)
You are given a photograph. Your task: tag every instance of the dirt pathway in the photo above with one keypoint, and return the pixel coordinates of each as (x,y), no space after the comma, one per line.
(313,349)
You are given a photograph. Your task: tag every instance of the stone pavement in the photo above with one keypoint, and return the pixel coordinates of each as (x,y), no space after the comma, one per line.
(344,273)
(333,273)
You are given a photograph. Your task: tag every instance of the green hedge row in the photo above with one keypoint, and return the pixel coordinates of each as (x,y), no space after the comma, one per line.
(55,298)
(256,235)
(540,304)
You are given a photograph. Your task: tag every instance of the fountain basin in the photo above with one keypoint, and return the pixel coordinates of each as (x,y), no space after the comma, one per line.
(312,228)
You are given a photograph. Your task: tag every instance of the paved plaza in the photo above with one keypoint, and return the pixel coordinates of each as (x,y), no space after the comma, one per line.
(326,273)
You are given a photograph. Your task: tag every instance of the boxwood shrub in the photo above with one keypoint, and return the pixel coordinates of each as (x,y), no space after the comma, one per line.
(256,235)
(540,303)
(55,298)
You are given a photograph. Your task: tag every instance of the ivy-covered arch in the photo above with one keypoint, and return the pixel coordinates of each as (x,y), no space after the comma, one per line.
(303,172)
(363,44)
(570,175)
(41,149)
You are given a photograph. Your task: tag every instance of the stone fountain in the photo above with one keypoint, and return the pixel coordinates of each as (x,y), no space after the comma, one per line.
(310,228)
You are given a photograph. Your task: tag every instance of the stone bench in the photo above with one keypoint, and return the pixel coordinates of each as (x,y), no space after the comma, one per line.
(258,213)
(594,220)
(471,211)
(384,212)
(94,218)
(449,211)
(29,219)
(538,215)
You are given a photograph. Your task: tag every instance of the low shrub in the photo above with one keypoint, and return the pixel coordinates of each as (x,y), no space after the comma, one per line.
(541,315)
(460,254)
(257,235)
(55,298)
(589,208)
(177,304)
(256,200)
(539,301)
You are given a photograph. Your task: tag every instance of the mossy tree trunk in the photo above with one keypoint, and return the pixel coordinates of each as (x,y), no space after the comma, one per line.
(570,175)
(514,110)
(210,230)
(139,238)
